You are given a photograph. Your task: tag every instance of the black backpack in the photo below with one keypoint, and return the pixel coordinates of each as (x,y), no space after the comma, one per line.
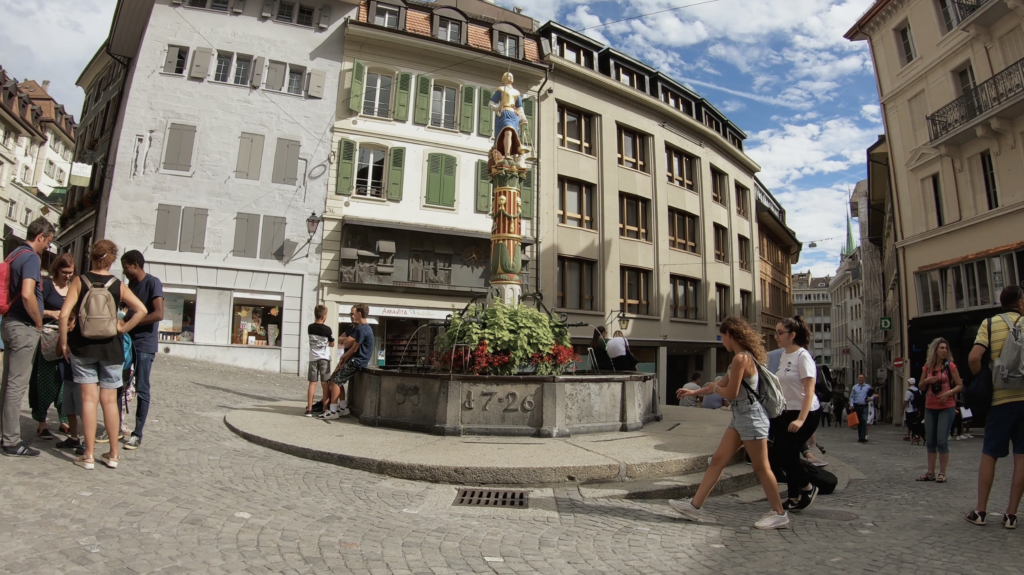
(823,384)
(978,395)
(917,401)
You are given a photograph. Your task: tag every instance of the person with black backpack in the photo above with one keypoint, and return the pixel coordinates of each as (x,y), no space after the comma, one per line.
(95,348)
(913,409)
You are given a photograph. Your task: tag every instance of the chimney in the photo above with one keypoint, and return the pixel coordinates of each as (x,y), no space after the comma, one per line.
(46,84)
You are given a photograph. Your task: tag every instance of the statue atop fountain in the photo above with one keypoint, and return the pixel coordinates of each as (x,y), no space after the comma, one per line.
(505,166)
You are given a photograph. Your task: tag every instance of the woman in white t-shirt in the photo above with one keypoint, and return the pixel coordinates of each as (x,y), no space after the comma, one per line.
(618,351)
(796,425)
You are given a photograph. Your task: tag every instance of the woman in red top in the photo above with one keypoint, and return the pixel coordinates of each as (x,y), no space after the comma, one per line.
(940,382)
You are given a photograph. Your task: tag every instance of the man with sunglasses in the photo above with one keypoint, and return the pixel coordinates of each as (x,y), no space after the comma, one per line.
(358,343)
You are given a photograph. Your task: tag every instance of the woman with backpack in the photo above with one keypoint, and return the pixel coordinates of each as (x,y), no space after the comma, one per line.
(749,425)
(940,382)
(95,346)
(791,430)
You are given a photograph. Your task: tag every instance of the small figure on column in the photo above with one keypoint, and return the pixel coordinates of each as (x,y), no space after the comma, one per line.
(507,103)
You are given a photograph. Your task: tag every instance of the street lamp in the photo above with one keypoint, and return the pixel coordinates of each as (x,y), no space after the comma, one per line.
(623,320)
(312,223)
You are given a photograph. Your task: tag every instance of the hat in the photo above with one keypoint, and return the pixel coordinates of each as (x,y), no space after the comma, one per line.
(912,381)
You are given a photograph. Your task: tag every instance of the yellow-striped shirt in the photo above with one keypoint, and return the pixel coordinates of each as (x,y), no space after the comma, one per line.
(1000,330)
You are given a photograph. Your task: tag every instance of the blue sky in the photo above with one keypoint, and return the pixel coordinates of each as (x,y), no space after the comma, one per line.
(780,69)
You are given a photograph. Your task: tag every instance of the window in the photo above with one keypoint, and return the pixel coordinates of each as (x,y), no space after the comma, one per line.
(286,12)
(377,95)
(917,107)
(441,171)
(449,30)
(60,176)
(965,79)
(743,244)
(988,176)
(180,229)
(682,230)
(179,315)
(575,279)
(370,173)
(305,16)
(442,107)
(721,302)
(575,204)
(49,168)
(721,244)
(685,297)
(508,45)
(575,130)
(250,156)
(256,319)
(736,141)
(1011,44)
(747,305)
(633,217)
(176,62)
(712,122)
(682,168)
(937,198)
(742,201)
(628,77)
(220,5)
(26,175)
(948,13)
(678,102)
(906,40)
(178,147)
(631,149)
(27,217)
(634,289)
(223,71)
(243,68)
(286,163)
(719,184)
(296,76)
(574,53)
(386,16)
(12,210)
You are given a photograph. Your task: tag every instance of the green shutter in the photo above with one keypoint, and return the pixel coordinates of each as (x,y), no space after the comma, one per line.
(422,114)
(448,181)
(434,167)
(396,172)
(402,97)
(346,166)
(483,187)
(485,120)
(466,110)
(529,108)
(355,100)
(526,195)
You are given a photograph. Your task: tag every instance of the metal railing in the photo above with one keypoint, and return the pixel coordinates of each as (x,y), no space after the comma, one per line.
(964,8)
(990,94)
(766,198)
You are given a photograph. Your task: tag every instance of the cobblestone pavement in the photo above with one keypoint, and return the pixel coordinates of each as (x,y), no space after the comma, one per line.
(198,499)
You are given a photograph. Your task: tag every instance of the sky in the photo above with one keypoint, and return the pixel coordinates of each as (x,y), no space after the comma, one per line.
(779,69)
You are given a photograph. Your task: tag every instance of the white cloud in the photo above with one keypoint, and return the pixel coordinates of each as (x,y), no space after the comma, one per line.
(789,99)
(817,215)
(731,106)
(871,113)
(794,151)
(582,18)
(53,40)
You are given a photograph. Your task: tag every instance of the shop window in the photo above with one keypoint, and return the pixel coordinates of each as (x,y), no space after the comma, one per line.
(256,320)
(179,315)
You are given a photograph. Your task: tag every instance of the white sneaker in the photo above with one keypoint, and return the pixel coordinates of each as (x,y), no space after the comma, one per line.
(328,415)
(773,520)
(335,414)
(342,412)
(685,508)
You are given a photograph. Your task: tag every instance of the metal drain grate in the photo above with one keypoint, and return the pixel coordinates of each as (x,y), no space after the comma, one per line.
(493,498)
(830,514)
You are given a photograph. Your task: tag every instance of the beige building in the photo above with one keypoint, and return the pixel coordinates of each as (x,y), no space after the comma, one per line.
(778,248)
(846,291)
(951,84)
(812,301)
(646,209)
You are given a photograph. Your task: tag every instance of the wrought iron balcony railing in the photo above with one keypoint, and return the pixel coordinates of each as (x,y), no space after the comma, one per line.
(990,94)
(964,8)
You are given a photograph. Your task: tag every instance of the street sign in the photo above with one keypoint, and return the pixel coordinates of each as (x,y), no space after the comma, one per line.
(886,324)
(898,363)
(878,345)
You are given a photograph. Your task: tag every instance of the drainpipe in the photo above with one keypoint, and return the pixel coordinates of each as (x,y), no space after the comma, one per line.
(536,184)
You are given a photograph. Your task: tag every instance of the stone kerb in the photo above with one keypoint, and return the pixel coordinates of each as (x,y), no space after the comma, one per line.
(536,406)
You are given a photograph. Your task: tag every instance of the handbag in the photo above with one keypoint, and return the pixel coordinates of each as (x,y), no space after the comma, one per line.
(852,420)
(48,344)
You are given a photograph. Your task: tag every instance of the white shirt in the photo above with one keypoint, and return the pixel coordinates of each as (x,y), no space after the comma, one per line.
(689,401)
(616,347)
(909,398)
(794,367)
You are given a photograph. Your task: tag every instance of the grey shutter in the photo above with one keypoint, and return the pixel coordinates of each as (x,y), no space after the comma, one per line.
(317,79)
(422,113)
(275,76)
(272,238)
(201,63)
(485,117)
(178,148)
(247,229)
(286,162)
(199,230)
(529,110)
(238,7)
(396,174)
(167,220)
(483,187)
(268,8)
(257,72)
(188,220)
(402,97)
(244,153)
(278,245)
(526,195)
(325,16)
(346,167)
(466,109)
(256,156)
(171,147)
(171,61)
(355,98)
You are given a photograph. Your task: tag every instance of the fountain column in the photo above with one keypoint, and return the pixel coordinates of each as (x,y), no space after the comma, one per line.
(506,235)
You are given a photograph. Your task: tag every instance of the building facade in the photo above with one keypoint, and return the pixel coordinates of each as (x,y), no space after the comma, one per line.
(777,250)
(220,154)
(846,291)
(813,301)
(407,223)
(949,80)
(53,163)
(646,211)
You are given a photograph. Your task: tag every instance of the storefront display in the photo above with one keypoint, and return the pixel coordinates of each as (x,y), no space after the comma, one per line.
(256,320)
(179,315)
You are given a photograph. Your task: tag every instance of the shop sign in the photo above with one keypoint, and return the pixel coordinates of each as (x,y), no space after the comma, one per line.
(885,324)
(406,312)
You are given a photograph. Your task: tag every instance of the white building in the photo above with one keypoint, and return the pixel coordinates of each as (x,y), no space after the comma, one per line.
(221,153)
(812,301)
(53,162)
(847,292)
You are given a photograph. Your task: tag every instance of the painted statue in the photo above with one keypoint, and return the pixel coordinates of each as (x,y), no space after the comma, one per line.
(507,103)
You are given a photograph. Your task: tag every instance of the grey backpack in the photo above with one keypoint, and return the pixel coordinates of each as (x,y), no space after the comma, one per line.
(97,317)
(769,390)
(1008,370)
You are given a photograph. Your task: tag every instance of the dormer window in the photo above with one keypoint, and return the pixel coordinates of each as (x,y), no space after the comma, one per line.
(449,30)
(507,40)
(389,15)
(676,101)
(736,141)
(508,45)
(574,53)
(629,77)
(712,122)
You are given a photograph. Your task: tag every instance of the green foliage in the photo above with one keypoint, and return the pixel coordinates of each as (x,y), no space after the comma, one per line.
(516,331)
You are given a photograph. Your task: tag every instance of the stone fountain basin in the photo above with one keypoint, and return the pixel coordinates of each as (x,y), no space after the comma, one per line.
(523,405)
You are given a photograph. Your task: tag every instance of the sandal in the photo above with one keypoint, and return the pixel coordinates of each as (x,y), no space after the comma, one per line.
(927,477)
(941,478)
(64,428)
(86,461)
(109,461)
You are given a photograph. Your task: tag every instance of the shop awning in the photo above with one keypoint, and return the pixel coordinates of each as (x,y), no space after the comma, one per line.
(354,220)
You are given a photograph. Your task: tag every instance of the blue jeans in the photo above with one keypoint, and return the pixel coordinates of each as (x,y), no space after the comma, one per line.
(862,421)
(937,423)
(143,367)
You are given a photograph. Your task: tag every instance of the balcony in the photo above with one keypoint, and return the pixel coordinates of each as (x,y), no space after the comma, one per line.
(966,8)
(1004,91)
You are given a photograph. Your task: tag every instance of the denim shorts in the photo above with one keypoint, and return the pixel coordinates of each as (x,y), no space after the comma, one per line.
(1005,423)
(749,419)
(87,370)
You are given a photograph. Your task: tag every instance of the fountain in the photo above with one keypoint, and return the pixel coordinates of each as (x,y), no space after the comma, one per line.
(449,403)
